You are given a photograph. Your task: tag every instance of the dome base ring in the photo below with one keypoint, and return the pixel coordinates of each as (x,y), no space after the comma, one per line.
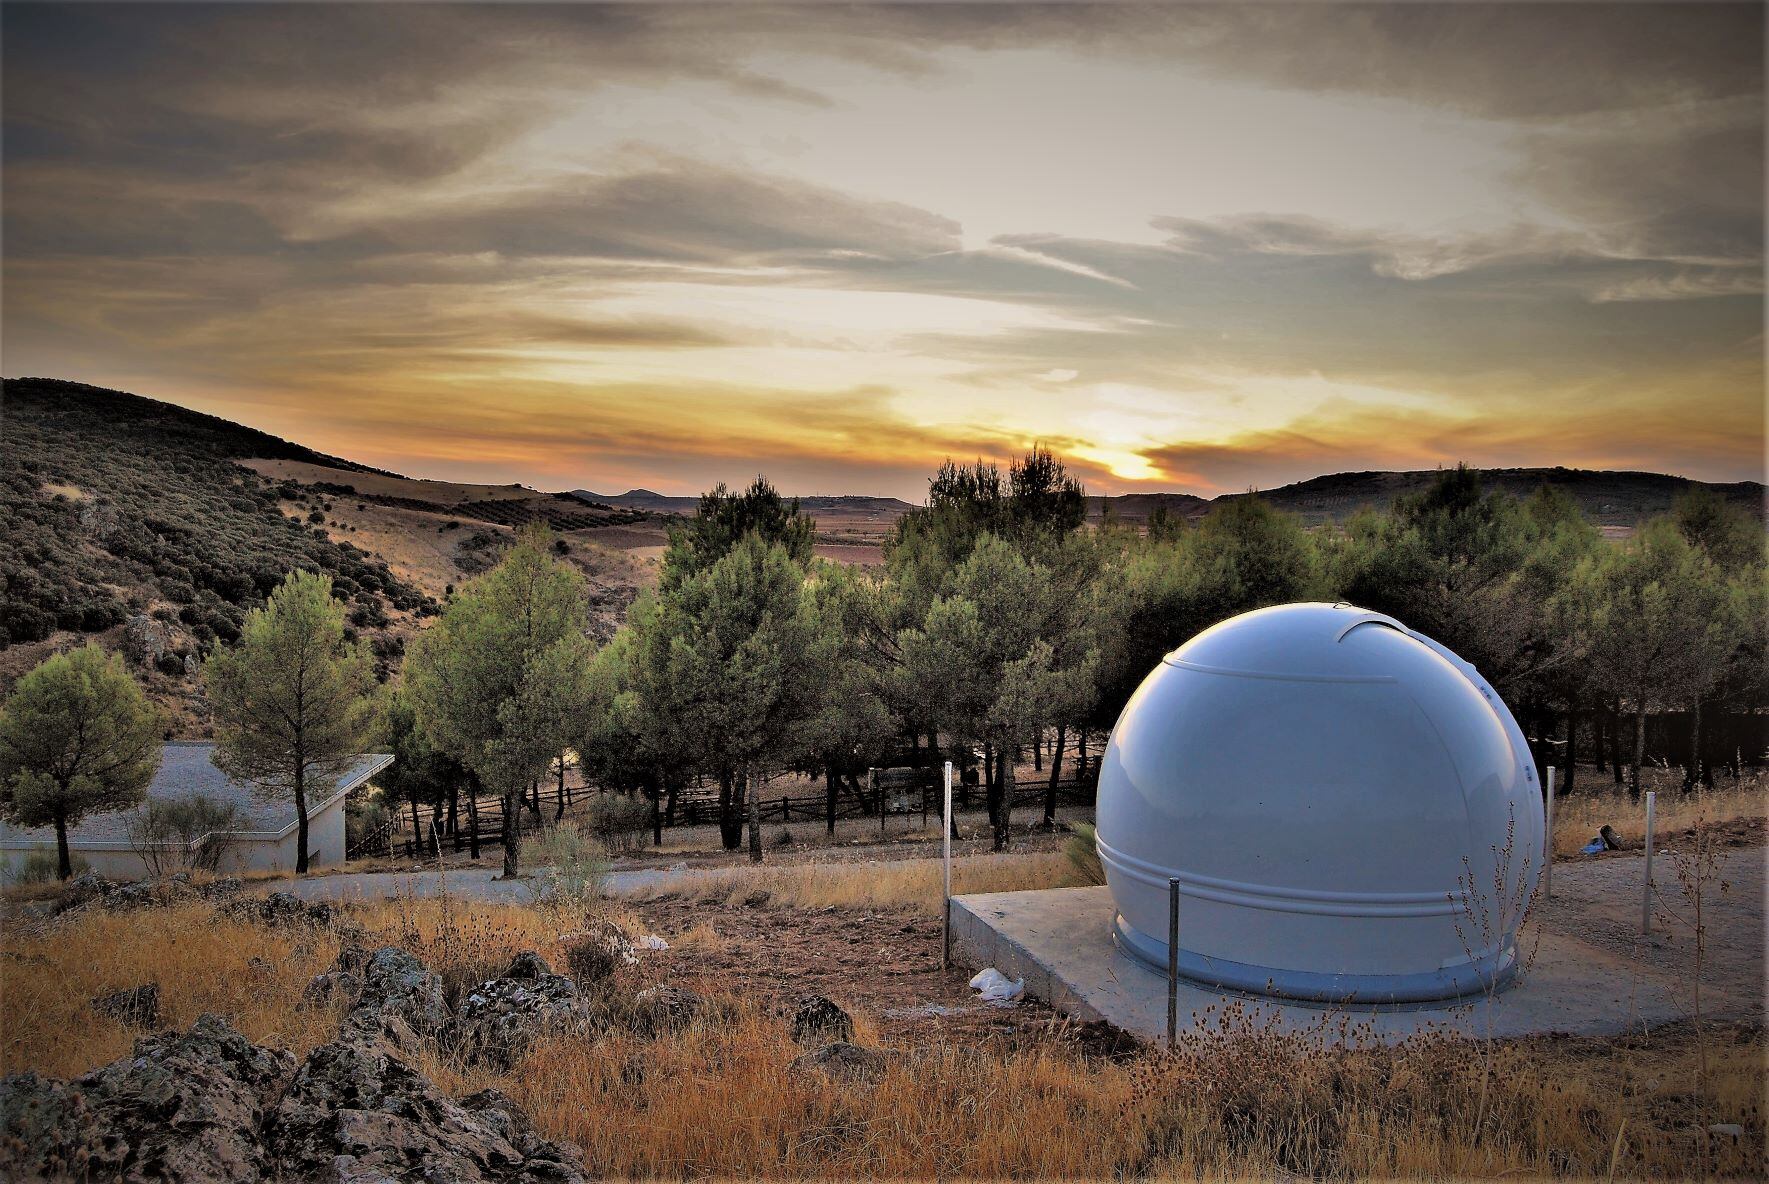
(1447,987)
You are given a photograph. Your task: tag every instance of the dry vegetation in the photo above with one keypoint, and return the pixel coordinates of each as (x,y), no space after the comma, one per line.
(908,884)
(716,1099)
(1578,815)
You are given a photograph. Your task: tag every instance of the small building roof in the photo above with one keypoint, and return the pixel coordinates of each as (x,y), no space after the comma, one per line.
(186,768)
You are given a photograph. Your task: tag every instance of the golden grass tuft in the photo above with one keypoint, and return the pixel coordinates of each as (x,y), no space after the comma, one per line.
(910,884)
(201,960)
(1579,814)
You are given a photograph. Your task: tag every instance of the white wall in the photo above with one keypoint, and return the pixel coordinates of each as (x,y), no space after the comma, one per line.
(325,846)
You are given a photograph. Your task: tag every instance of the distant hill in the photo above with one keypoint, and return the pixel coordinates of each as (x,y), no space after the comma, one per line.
(132,519)
(1616,499)
(813,504)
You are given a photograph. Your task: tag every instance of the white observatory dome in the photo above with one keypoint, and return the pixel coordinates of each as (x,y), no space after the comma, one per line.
(1350,810)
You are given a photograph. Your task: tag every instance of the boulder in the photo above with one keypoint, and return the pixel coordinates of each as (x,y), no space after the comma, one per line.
(842,1060)
(818,1018)
(594,953)
(146,640)
(665,1009)
(47,1131)
(285,910)
(501,1017)
(359,1112)
(399,993)
(87,888)
(138,1006)
(184,1107)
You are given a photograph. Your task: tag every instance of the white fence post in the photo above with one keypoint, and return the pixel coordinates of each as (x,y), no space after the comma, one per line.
(1172,960)
(1646,889)
(1548,842)
(946,871)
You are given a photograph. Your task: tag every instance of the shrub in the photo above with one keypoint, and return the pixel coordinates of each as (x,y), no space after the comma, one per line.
(40,867)
(620,822)
(574,863)
(189,833)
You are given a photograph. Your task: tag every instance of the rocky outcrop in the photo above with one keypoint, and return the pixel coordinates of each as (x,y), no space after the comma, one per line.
(91,890)
(285,910)
(146,640)
(842,1060)
(358,1111)
(184,1106)
(208,1105)
(388,994)
(501,1017)
(818,1018)
(657,1010)
(594,953)
(138,1006)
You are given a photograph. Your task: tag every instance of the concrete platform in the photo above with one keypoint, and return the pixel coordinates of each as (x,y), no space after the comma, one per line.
(1059,940)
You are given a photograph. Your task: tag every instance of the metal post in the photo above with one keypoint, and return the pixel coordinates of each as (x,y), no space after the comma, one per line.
(1646,890)
(1172,960)
(1548,843)
(946,866)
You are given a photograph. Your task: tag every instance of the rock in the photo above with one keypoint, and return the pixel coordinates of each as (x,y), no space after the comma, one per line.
(47,1131)
(223,887)
(842,1060)
(84,889)
(139,1006)
(146,640)
(666,1009)
(285,910)
(500,1018)
(183,1107)
(594,953)
(359,1112)
(818,1018)
(1730,1129)
(390,995)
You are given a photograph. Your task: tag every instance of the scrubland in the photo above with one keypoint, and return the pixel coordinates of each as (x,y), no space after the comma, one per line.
(718,1099)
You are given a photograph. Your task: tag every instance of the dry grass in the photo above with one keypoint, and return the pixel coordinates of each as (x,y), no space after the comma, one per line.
(1578,815)
(910,884)
(717,1100)
(201,961)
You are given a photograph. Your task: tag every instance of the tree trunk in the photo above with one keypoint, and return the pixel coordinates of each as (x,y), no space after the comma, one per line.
(753,790)
(454,808)
(829,798)
(655,792)
(559,805)
(1639,751)
(730,818)
(1600,738)
(1004,808)
(1693,773)
(473,818)
(991,783)
(513,804)
(1572,747)
(64,865)
(300,820)
(669,809)
(417,830)
(1081,755)
(1615,741)
(1038,752)
(1056,764)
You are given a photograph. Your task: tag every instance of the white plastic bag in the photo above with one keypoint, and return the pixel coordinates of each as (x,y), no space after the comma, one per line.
(651,942)
(995,987)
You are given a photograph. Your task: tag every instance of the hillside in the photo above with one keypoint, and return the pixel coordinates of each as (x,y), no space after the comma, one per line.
(155,528)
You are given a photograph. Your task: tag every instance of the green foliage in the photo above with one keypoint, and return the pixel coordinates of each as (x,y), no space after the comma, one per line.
(185,833)
(574,864)
(619,822)
(77,737)
(724,519)
(161,503)
(292,700)
(1081,849)
(496,680)
(40,867)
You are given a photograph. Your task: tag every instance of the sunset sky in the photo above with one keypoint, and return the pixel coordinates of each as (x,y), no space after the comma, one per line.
(1196,248)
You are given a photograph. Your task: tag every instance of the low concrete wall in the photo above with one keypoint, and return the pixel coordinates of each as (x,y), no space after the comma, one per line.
(978,942)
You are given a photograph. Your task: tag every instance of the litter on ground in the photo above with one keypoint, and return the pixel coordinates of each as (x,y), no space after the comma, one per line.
(995,987)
